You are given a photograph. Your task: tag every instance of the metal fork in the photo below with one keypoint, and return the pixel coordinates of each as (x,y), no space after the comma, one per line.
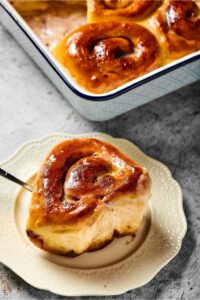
(16,180)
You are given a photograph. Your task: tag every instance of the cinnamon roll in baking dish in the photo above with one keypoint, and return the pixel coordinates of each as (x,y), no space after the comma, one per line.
(128,39)
(86,193)
(102,56)
(125,10)
(178,23)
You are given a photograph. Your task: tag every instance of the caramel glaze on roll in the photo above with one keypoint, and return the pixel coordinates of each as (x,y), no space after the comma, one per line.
(102,56)
(179,21)
(129,10)
(86,193)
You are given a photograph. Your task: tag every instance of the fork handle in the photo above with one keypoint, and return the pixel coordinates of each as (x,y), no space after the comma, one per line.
(16,180)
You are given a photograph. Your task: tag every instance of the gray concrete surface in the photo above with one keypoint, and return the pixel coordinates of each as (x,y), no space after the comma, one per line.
(167,129)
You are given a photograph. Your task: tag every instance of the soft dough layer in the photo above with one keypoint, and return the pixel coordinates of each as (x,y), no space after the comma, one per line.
(82,204)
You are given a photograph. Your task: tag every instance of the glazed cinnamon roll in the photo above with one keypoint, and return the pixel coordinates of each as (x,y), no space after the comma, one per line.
(179,21)
(131,10)
(102,56)
(86,193)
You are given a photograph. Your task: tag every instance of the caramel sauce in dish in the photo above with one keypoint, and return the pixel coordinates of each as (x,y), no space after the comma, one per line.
(52,20)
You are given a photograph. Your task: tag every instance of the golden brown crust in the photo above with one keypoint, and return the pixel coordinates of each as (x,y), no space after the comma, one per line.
(102,56)
(124,10)
(179,22)
(85,171)
(86,193)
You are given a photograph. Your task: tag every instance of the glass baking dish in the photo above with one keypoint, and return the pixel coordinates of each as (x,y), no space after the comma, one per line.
(108,105)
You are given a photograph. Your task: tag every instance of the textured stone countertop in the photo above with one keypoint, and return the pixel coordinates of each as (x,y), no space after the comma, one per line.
(167,129)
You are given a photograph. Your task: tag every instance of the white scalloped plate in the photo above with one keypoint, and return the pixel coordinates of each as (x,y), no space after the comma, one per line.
(124,264)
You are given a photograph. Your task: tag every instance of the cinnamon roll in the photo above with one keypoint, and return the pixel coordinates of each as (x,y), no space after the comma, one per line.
(131,10)
(86,193)
(179,22)
(102,56)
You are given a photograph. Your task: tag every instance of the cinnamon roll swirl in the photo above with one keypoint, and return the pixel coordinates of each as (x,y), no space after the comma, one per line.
(102,56)
(86,193)
(131,10)
(179,21)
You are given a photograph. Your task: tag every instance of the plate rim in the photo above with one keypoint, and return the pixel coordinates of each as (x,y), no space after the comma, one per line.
(131,144)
